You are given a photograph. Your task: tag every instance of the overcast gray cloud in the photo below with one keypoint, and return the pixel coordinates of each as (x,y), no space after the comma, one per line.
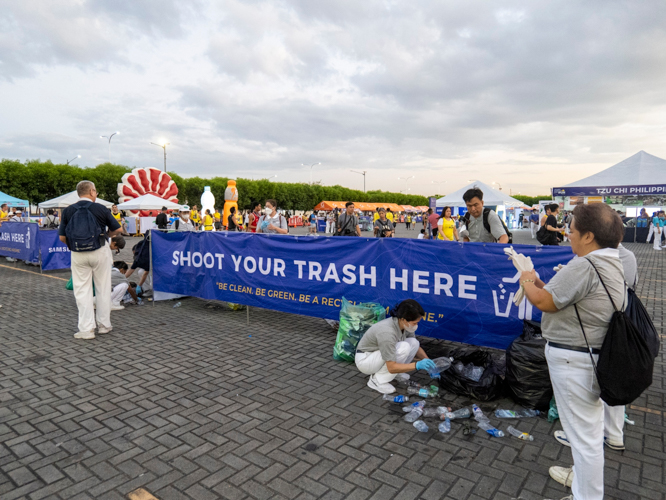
(522,93)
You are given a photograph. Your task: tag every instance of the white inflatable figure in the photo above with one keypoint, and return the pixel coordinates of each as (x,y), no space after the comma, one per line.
(207,201)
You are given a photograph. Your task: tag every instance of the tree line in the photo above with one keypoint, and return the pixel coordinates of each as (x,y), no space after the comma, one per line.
(38,181)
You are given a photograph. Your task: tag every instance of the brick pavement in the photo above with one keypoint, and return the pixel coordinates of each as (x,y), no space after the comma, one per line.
(184,403)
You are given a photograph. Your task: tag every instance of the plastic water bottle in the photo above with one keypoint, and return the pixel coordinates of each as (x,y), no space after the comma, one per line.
(178,304)
(421,426)
(430,412)
(418,404)
(462,413)
(422,392)
(484,423)
(516,414)
(445,426)
(414,415)
(441,410)
(520,435)
(441,365)
(395,399)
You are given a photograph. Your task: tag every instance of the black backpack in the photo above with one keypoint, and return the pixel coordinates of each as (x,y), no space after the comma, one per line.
(624,368)
(543,235)
(640,317)
(486,224)
(83,232)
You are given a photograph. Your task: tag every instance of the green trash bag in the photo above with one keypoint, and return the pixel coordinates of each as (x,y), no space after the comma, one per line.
(70,286)
(355,319)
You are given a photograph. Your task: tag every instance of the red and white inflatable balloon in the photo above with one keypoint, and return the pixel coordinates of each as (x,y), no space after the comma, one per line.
(142,181)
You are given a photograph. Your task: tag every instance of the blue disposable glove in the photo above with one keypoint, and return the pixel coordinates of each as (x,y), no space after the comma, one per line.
(427,365)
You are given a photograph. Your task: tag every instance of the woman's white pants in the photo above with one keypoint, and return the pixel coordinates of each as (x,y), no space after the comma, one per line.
(582,415)
(372,363)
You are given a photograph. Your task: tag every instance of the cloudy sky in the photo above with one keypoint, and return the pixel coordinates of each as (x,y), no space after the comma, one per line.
(527,94)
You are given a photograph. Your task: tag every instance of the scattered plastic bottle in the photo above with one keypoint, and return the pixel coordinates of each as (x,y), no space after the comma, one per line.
(445,426)
(178,304)
(395,399)
(442,364)
(516,414)
(434,390)
(462,413)
(408,408)
(441,410)
(414,415)
(421,426)
(422,392)
(484,422)
(469,370)
(520,435)
(430,412)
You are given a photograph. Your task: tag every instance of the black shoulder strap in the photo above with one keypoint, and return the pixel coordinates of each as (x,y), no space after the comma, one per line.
(486,214)
(589,349)
(604,284)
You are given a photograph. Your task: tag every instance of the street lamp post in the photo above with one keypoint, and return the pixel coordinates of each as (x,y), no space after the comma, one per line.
(163,146)
(306,165)
(363,174)
(500,186)
(76,157)
(109,137)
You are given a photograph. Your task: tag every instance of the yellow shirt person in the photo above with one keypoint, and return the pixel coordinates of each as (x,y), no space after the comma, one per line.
(389,216)
(208,222)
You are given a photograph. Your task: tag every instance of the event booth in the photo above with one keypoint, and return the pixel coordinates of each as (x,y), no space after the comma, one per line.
(68,199)
(145,202)
(637,183)
(13,202)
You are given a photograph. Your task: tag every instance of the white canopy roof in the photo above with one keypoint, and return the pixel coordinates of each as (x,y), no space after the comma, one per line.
(491,197)
(148,202)
(69,199)
(639,169)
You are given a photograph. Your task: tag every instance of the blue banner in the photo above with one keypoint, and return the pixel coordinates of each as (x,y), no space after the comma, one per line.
(466,289)
(55,254)
(19,241)
(629,190)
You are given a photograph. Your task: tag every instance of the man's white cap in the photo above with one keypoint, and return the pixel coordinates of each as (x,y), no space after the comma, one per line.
(185,208)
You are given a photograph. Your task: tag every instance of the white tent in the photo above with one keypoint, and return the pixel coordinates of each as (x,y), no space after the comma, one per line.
(68,199)
(640,174)
(491,197)
(148,202)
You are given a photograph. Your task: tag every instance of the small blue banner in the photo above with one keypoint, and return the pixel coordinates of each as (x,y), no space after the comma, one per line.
(55,254)
(19,240)
(467,290)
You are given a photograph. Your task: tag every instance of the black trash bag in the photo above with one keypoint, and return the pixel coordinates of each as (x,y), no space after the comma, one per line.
(527,376)
(491,384)
(637,313)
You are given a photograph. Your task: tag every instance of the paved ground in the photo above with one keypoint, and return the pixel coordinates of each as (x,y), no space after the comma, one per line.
(193,403)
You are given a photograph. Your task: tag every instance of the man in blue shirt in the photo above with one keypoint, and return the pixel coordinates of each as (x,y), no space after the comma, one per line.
(534,223)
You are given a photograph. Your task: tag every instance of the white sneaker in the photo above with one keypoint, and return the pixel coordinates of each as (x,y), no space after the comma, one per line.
(563,475)
(383,388)
(614,446)
(117,307)
(561,437)
(102,329)
(84,335)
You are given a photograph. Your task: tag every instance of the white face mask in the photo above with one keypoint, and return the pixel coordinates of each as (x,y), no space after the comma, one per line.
(411,328)
(268,211)
(185,216)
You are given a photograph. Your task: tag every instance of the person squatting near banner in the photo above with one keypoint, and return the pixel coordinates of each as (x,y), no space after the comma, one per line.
(466,290)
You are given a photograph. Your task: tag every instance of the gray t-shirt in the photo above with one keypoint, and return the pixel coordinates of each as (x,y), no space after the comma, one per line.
(578,283)
(383,337)
(478,233)
(629,265)
(348,226)
(181,225)
(117,277)
(278,221)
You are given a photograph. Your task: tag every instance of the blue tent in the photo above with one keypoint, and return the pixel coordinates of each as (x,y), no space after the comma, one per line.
(12,202)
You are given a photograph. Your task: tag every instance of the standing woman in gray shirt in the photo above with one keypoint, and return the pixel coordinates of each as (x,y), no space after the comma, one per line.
(596,232)
(389,347)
